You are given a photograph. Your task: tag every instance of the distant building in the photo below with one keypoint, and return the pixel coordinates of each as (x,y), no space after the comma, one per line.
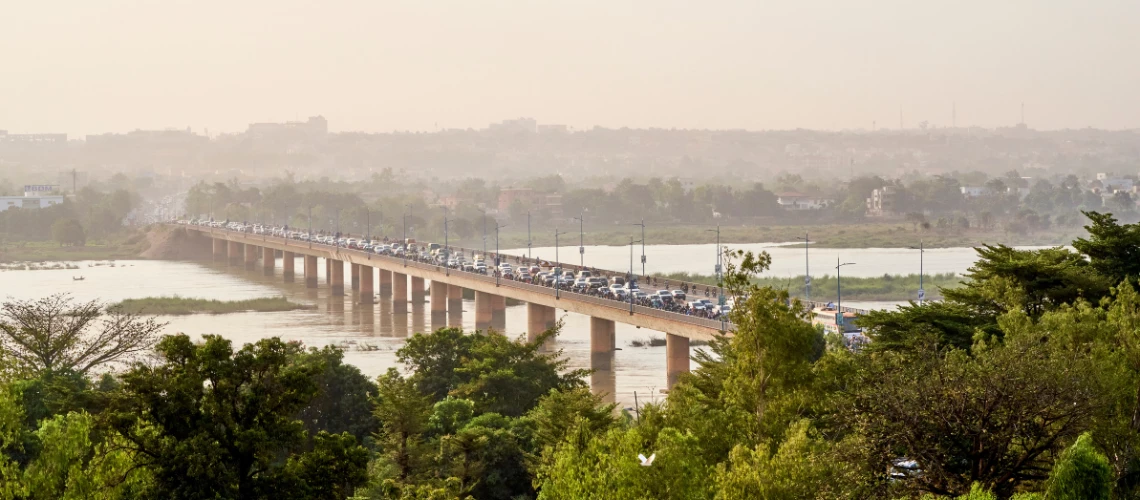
(883,202)
(974,191)
(315,127)
(5,137)
(516,126)
(34,197)
(792,200)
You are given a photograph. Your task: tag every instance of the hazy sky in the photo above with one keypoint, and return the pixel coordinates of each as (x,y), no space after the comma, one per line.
(88,66)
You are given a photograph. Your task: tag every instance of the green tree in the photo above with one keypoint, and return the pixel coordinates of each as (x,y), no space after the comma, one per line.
(802,466)
(403,412)
(1113,249)
(343,401)
(212,422)
(992,418)
(608,467)
(1080,473)
(1034,281)
(498,374)
(68,232)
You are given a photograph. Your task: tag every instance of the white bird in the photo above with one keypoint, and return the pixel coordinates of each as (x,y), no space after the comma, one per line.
(646,462)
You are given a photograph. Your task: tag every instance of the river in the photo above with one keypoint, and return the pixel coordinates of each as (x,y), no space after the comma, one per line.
(336,320)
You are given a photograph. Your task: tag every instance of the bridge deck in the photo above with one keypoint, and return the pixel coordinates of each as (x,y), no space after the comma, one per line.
(641,316)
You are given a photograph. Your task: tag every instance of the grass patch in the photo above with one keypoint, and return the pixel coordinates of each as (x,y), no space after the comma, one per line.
(125,246)
(888,287)
(174,306)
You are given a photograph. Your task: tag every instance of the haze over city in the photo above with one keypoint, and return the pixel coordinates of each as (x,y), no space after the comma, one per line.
(92,67)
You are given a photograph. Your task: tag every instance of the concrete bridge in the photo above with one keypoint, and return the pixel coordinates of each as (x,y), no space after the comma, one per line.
(401,281)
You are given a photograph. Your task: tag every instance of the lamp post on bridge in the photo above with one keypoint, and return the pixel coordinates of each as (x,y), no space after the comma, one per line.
(557,277)
(405,242)
(631,242)
(719,267)
(528,240)
(807,269)
(921,291)
(498,263)
(581,239)
(839,290)
(446,248)
(642,240)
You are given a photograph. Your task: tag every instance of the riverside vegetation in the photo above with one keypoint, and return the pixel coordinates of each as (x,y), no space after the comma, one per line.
(1023,383)
(175,305)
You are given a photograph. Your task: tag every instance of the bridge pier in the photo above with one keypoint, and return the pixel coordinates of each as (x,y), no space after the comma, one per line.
(288,259)
(219,249)
(328,271)
(676,357)
(439,297)
(310,271)
(484,310)
(417,290)
(250,257)
(337,278)
(364,292)
(603,343)
(399,293)
(499,313)
(385,282)
(268,261)
(235,252)
(602,336)
(539,318)
(355,276)
(454,298)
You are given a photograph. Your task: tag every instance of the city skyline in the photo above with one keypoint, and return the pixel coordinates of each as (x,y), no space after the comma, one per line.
(825,65)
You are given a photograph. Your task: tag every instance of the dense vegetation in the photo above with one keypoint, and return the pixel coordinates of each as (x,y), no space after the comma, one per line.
(1023,383)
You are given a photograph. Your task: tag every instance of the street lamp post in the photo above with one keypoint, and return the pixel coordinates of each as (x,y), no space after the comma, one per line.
(310,238)
(807,268)
(368,223)
(839,289)
(557,262)
(528,240)
(642,224)
(405,242)
(336,237)
(581,239)
(484,233)
(498,263)
(719,268)
(921,253)
(631,242)
(446,248)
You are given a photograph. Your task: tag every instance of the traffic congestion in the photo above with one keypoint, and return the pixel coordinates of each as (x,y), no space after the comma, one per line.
(678,297)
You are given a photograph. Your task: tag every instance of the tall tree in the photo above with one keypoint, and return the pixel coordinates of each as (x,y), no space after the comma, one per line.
(211,422)
(56,334)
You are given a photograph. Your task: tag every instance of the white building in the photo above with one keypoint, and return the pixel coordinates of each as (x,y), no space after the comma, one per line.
(7,202)
(974,191)
(800,201)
